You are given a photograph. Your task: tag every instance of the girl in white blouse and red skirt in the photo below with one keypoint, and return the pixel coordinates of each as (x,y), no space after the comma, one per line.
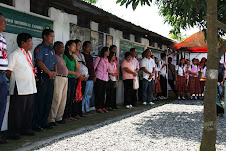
(194,84)
(181,85)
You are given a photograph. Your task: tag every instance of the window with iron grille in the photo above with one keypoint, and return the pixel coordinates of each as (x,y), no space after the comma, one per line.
(39,7)
(103,28)
(7,2)
(83,22)
(138,39)
(126,35)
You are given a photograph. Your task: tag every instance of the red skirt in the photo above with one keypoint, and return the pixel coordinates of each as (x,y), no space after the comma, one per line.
(181,84)
(202,86)
(194,85)
(157,87)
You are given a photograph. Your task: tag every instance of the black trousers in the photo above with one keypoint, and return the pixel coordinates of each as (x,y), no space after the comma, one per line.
(172,85)
(72,85)
(20,112)
(111,94)
(220,110)
(99,90)
(43,101)
(140,92)
(130,95)
(163,83)
(77,106)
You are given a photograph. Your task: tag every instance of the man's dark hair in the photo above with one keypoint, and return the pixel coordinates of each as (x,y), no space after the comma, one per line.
(56,44)
(170,59)
(163,55)
(46,32)
(22,37)
(85,44)
(127,54)
(132,49)
(146,50)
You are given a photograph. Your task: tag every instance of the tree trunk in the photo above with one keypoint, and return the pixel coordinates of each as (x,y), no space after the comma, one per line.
(210,117)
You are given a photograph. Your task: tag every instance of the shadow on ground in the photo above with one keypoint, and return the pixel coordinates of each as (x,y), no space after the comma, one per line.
(181,125)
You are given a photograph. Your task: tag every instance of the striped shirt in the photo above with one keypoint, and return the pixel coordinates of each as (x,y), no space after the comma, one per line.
(3,62)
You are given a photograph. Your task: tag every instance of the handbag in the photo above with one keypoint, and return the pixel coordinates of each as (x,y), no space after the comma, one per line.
(78,92)
(136,83)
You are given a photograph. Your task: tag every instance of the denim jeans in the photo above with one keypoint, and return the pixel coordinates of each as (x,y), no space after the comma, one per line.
(148,87)
(3,97)
(87,96)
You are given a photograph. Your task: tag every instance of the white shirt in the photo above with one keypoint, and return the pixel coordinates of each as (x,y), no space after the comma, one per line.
(162,70)
(157,71)
(181,70)
(203,70)
(135,63)
(22,74)
(149,65)
(112,69)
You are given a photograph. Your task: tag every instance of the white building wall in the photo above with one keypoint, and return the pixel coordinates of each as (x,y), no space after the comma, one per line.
(23,5)
(94,26)
(61,25)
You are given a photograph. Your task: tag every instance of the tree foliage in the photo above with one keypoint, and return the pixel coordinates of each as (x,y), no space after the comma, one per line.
(91,1)
(182,14)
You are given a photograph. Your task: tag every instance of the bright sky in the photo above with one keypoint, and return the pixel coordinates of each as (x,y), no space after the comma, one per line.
(146,16)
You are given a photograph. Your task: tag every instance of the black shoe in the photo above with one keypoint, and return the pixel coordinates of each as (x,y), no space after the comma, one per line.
(48,127)
(37,129)
(61,122)
(3,141)
(28,133)
(53,124)
(14,136)
(116,108)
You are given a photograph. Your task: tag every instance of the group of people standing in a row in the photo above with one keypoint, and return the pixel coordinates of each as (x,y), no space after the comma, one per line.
(46,94)
(189,77)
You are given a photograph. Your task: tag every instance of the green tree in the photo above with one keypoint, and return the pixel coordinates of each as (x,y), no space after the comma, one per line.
(91,1)
(182,14)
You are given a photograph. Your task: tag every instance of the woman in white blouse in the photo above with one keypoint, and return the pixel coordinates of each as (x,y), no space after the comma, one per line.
(203,76)
(181,85)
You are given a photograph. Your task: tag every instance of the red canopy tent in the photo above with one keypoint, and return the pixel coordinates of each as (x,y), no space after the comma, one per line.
(196,43)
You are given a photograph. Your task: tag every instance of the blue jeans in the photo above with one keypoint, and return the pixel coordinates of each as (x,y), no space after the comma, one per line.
(147,89)
(3,97)
(87,96)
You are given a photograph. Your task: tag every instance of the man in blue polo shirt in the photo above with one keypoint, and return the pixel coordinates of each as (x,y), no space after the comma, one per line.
(46,65)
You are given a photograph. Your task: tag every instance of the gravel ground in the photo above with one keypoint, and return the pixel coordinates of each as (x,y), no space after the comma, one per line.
(171,127)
